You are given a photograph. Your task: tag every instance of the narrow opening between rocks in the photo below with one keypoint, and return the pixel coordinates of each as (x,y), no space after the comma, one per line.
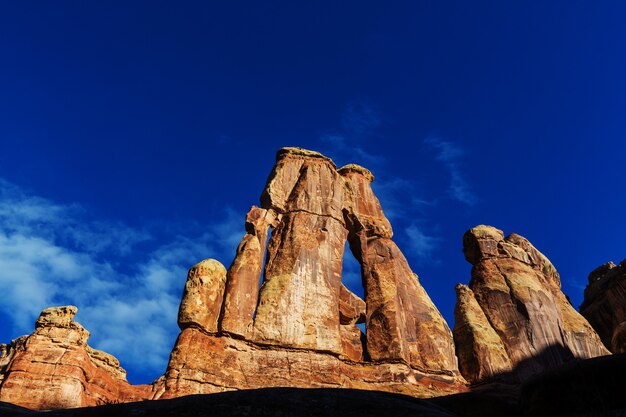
(351,276)
(262,277)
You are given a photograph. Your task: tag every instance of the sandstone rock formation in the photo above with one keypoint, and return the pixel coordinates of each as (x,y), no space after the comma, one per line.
(604,304)
(514,316)
(300,328)
(55,368)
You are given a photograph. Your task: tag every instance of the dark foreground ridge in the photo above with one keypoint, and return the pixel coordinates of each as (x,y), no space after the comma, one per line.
(591,387)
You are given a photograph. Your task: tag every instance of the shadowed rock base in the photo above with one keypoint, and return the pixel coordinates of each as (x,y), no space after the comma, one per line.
(236,363)
(586,388)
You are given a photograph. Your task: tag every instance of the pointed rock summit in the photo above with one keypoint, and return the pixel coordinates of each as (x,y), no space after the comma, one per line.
(513,316)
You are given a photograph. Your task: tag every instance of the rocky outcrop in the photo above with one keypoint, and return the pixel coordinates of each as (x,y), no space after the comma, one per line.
(300,328)
(402,322)
(55,367)
(604,304)
(514,315)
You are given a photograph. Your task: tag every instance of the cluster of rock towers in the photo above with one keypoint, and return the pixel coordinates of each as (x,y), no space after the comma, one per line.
(299,328)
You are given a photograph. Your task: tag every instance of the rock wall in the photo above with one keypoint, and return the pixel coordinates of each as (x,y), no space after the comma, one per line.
(604,304)
(514,316)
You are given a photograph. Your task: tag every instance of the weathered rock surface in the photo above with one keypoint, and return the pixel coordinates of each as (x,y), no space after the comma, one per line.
(203,363)
(243,279)
(604,304)
(202,296)
(280,315)
(300,328)
(518,290)
(402,322)
(55,368)
(480,350)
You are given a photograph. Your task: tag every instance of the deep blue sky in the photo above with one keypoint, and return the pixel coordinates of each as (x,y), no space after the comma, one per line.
(134,137)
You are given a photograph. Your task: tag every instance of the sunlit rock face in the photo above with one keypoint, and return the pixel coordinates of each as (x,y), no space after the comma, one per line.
(55,368)
(514,316)
(604,304)
(300,328)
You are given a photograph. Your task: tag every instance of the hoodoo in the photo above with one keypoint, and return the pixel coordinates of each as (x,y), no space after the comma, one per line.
(514,316)
(280,315)
(299,329)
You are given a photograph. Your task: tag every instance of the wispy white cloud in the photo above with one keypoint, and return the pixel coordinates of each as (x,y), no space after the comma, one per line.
(450,154)
(348,151)
(421,245)
(360,117)
(359,123)
(54,254)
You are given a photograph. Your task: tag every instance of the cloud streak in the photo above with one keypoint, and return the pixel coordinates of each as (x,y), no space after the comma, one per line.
(422,245)
(449,154)
(54,254)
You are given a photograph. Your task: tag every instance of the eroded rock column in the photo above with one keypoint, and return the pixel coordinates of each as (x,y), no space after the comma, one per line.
(518,290)
(244,275)
(402,322)
(299,300)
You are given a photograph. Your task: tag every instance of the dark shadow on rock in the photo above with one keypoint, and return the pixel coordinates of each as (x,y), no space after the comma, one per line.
(552,383)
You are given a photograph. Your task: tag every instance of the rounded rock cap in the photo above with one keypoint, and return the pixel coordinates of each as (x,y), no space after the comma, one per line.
(59,316)
(357,169)
(209,266)
(293,150)
(481,242)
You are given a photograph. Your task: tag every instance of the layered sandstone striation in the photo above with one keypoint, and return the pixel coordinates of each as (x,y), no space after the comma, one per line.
(55,367)
(604,304)
(514,316)
(300,328)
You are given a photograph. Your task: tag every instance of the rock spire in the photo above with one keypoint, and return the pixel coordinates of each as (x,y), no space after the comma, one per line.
(514,316)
